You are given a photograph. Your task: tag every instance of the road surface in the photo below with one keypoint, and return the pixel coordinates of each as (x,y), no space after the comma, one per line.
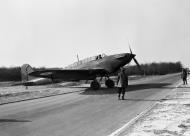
(88,113)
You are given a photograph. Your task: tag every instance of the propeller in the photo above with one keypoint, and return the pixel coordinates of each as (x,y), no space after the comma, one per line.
(137,64)
(139,67)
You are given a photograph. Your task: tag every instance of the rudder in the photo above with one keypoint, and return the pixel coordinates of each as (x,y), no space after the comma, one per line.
(26,69)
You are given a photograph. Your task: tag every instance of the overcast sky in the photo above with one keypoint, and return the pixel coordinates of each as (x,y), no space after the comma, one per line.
(52,32)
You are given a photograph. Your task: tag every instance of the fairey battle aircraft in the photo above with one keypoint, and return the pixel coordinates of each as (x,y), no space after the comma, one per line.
(87,69)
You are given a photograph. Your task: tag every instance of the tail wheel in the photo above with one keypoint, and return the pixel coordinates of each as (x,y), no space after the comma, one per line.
(95,85)
(110,83)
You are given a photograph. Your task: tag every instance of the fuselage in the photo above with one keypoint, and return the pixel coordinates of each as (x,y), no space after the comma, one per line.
(89,70)
(109,63)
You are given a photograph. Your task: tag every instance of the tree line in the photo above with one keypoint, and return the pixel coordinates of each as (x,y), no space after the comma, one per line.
(10,74)
(154,68)
(13,73)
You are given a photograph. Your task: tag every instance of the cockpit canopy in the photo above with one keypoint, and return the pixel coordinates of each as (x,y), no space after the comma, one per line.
(75,64)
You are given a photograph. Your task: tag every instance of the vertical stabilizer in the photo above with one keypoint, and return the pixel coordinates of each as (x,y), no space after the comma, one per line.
(25,70)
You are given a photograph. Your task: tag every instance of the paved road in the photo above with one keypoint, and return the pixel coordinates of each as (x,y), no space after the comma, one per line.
(90,113)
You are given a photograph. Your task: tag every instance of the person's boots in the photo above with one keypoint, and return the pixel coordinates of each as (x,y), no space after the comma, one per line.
(123,97)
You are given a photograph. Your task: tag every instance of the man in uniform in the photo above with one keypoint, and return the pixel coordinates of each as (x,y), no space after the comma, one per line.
(184,76)
(122,83)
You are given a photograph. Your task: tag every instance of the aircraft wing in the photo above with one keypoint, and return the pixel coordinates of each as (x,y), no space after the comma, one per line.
(70,74)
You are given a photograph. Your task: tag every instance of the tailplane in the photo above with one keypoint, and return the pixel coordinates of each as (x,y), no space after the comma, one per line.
(26,69)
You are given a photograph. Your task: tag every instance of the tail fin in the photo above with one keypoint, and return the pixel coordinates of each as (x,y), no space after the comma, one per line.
(25,70)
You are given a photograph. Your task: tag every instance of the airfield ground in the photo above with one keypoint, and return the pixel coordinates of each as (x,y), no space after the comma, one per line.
(79,110)
(9,93)
(169,117)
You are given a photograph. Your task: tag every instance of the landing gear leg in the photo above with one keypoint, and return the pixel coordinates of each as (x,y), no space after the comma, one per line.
(53,83)
(52,80)
(109,83)
(95,85)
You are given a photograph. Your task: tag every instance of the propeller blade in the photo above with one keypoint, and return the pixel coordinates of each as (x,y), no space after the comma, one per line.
(130,49)
(138,65)
(133,56)
(136,62)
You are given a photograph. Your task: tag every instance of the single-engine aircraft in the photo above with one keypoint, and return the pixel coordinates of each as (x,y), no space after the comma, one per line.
(101,66)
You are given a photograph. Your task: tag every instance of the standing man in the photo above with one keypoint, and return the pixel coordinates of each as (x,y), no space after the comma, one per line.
(184,76)
(122,83)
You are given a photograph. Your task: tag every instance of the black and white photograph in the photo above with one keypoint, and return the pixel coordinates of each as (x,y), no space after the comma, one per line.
(94,68)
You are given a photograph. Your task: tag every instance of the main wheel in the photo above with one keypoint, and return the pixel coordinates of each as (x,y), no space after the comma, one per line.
(95,85)
(110,83)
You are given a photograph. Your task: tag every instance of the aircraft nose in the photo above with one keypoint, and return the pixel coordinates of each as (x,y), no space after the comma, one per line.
(125,56)
(129,55)
(132,55)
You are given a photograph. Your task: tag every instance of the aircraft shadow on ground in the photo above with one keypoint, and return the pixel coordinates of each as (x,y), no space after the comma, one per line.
(135,87)
(13,120)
